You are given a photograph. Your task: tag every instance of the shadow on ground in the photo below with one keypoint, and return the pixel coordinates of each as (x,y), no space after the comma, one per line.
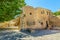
(41,32)
(11,35)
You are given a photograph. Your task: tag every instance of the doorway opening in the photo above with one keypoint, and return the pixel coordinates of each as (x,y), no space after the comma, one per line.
(46,25)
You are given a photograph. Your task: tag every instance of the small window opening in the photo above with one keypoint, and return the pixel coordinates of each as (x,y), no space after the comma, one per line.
(41,23)
(30,13)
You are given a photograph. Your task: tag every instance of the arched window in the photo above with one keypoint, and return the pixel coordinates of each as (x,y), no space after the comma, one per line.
(48,13)
(42,12)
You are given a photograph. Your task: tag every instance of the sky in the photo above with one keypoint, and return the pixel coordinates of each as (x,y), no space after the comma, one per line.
(53,5)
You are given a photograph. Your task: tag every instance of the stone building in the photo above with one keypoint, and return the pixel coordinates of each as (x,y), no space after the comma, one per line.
(35,18)
(43,17)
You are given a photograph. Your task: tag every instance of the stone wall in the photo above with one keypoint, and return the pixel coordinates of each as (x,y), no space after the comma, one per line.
(55,22)
(35,18)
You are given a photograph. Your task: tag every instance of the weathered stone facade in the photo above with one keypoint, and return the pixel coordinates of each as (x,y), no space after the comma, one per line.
(35,18)
(55,22)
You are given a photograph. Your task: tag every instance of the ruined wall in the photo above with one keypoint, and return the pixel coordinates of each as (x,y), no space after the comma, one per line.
(35,18)
(55,21)
(42,17)
(28,17)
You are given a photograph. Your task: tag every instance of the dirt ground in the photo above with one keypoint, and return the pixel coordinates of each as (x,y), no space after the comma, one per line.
(37,35)
(44,35)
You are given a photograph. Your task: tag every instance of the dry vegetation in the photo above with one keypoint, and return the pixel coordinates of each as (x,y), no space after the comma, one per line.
(11,23)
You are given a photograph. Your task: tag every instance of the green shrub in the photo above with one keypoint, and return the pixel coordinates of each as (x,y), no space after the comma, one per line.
(10,8)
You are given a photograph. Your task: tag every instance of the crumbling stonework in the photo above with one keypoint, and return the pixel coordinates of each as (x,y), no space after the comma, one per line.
(35,18)
(11,25)
(55,22)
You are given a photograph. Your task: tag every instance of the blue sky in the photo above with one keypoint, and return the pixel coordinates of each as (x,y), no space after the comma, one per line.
(53,5)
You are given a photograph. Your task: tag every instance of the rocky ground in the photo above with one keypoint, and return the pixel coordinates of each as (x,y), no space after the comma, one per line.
(38,35)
